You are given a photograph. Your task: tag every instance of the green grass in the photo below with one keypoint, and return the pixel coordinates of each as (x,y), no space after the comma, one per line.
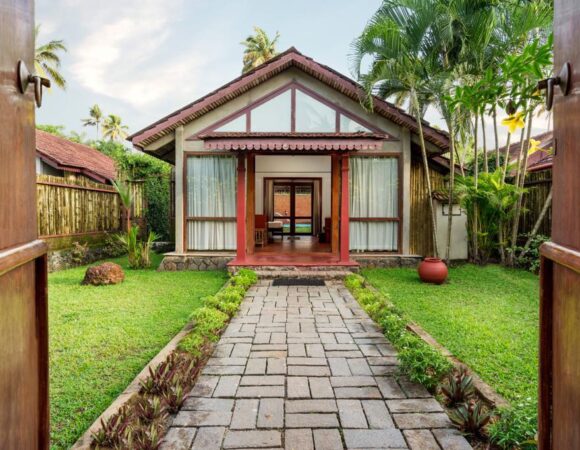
(101,337)
(486,316)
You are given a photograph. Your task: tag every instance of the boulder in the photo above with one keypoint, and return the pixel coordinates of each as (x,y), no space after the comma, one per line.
(103,274)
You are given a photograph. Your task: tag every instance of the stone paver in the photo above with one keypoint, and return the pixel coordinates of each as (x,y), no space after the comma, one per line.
(304,368)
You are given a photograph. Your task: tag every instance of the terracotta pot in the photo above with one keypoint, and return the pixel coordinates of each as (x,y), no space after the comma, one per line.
(432,270)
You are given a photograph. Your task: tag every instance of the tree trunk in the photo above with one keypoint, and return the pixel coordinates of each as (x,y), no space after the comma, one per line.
(506,156)
(520,181)
(475,209)
(534,231)
(483,137)
(426,169)
(451,188)
(497,162)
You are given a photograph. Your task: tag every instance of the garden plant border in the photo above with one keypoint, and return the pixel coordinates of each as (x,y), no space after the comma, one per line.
(243,280)
(374,302)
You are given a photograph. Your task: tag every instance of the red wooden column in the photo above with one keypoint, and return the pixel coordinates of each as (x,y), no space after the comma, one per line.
(344,212)
(241,210)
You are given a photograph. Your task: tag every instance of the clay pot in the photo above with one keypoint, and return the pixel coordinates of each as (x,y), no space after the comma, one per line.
(432,270)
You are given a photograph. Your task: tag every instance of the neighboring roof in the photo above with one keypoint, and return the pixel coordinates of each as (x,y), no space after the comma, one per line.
(271,68)
(444,162)
(540,160)
(73,157)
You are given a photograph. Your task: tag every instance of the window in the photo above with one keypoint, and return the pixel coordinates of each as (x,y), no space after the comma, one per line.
(273,115)
(348,125)
(237,124)
(374,204)
(211,203)
(313,116)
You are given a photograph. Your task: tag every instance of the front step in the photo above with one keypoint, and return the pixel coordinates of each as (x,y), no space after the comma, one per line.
(324,272)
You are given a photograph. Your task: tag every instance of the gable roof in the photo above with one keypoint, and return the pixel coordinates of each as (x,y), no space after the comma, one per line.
(540,160)
(73,157)
(271,68)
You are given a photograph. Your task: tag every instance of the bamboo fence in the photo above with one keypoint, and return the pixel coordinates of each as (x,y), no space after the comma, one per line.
(75,206)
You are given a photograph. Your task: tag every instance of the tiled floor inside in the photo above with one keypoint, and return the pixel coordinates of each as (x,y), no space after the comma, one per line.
(305,368)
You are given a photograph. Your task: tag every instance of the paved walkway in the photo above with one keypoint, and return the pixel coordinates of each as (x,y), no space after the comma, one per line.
(305,368)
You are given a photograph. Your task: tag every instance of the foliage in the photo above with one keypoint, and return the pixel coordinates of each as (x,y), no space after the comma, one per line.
(227,300)
(259,48)
(471,418)
(102,338)
(156,176)
(95,118)
(127,199)
(113,430)
(490,203)
(113,247)
(208,322)
(459,387)
(418,360)
(144,437)
(47,59)
(517,426)
(245,278)
(149,409)
(79,252)
(531,259)
(488,318)
(139,252)
(114,129)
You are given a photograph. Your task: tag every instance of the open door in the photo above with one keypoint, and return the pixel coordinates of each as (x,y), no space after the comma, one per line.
(559,409)
(23,308)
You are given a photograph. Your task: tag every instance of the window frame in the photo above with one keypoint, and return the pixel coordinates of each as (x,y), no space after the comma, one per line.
(399,218)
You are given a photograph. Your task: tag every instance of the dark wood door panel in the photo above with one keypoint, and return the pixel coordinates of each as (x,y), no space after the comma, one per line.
(559,395)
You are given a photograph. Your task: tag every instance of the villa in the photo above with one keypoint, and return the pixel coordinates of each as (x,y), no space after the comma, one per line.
(285,166)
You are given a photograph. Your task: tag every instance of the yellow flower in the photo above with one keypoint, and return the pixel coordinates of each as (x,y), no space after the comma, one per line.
(514,121)
(534,146)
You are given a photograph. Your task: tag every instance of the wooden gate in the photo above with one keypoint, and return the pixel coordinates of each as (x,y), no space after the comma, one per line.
(23,308)
(559,422)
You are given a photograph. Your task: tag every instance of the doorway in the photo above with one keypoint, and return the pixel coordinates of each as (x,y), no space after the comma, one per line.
(294,207)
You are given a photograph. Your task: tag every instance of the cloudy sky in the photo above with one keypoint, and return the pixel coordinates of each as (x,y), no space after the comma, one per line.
(142,59)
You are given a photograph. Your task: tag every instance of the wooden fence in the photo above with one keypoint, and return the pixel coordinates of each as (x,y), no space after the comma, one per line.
(538,187)
(77,206)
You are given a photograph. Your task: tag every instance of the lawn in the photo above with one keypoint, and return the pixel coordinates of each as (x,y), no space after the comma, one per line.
(101,337)
(486,316)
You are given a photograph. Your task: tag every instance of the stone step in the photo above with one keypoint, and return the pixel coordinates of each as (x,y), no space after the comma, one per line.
(304,273)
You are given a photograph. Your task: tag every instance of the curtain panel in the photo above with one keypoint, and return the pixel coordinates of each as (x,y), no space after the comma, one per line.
(374,195)
(211,202)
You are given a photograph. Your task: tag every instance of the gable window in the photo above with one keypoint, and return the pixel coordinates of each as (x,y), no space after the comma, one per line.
(374,203)
(273,115)
(293,109)
(313,116)
(237,124)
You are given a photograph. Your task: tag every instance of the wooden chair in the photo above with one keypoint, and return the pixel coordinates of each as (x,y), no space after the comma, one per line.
(260,230)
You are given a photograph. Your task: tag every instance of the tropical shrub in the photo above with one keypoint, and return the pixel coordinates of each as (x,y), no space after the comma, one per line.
(245,278)
(471,418)
(529,258)
(517,426)
(459,387)
(139,252)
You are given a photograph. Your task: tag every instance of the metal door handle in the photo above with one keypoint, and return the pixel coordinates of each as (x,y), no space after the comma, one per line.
(25,78)
(564,80)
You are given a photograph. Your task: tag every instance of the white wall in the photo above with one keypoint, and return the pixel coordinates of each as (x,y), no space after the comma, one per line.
(458,232)
(294,166)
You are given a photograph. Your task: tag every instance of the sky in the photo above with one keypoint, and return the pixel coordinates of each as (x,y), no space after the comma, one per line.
(142,59)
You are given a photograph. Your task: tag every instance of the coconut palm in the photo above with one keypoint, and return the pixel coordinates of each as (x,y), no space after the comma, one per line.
(114,129)
(127,199)
(95,118)
(259,48)
(47,59)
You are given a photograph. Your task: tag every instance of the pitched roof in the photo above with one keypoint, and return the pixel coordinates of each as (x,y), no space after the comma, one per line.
(73,157)
(540,160)
(271,68)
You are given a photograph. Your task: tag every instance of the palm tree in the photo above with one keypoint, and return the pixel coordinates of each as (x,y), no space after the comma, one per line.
(47,59)
(259,48)
(127,199)
(397,41)
(114,129)
(95,118)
